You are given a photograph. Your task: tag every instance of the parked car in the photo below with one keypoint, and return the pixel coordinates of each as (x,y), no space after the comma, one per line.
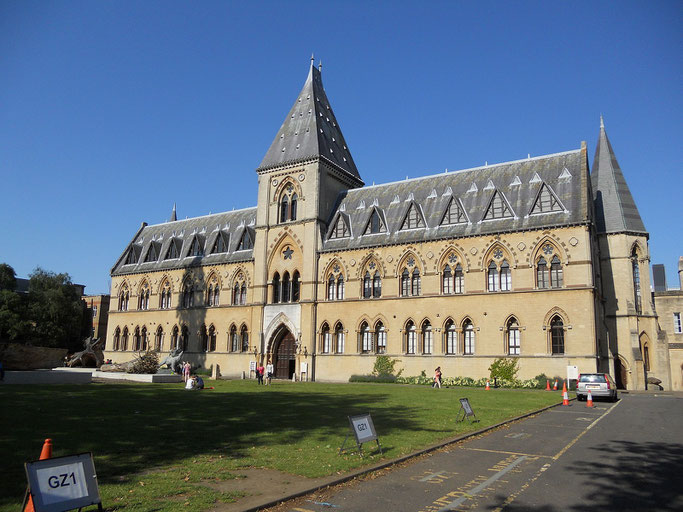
(599,384)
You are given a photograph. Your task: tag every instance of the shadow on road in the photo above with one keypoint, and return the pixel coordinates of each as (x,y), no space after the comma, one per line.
(633,476)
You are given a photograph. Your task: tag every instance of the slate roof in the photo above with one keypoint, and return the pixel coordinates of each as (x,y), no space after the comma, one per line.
(615,209)
(182,232)
(519,182)
(310,131)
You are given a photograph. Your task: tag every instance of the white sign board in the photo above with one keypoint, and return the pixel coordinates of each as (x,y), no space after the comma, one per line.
(363,428)
(572,372)
(252,366)
(63,483)
(304,367)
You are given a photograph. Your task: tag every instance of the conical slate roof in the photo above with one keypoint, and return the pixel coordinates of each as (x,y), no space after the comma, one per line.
(615,209)
(310,131)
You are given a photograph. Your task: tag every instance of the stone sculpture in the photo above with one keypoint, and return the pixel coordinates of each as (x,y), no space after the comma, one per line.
(173,360)
(91,357)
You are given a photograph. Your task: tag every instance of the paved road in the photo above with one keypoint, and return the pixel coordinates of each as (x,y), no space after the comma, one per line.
(623,456)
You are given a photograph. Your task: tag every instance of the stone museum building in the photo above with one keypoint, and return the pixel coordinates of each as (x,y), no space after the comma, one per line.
(543,259)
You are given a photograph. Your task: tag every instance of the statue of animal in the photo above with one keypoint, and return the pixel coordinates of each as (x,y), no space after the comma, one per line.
(173,360)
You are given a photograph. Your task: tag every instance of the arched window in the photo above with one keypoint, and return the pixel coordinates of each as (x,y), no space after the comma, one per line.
(136,339)
(244,334)
(325,339)
(555,272)
(276,288)
(447,280)
(159,339)
(188,295)
(143,299)
(542,273)
(288,204)
(204,338)
(286,288)
(117,338)
(411,335)
(234,340)
(405,283)
(340,287)
(376,285)
(184,338)
(124,339)
(243,294)
(236,294)
(505,277)
(284,208)
(330,288)
(381,337)
(513,337)
(212,339)
(367,286)
(366,338)
(293,205)
(416,285)
(174,338)
(123,299)
(557,335)
(646,357)
(339,338)
(427,340)
(493,283)
(451,338)
(467,338)
(296,286)
(459,283)
(165,299)
(143,338)
(636,280)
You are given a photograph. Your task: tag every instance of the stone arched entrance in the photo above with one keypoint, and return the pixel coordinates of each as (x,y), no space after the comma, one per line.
(283,353)
(620,373)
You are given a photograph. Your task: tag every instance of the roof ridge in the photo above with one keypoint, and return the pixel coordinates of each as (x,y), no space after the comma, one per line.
(201,217)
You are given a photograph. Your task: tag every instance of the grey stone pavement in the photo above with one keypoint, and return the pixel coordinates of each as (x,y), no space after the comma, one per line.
(621,456)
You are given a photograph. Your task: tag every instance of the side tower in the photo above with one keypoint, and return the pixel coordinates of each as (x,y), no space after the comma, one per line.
(630,322)
(306,167)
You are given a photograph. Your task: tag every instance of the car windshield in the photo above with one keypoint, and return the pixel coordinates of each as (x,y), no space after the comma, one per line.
(592,378)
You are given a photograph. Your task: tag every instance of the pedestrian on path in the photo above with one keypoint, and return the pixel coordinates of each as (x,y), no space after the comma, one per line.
(259,373)
(437,378)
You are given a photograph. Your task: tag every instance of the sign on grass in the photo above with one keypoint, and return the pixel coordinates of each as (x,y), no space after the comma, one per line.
(363,430)
(63,483)
(466,409)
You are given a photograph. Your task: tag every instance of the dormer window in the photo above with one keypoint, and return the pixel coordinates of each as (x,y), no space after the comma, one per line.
(196,249)
(221,243)
(341,229)
(375,224)
(246,242)
(498,208)
(413,219)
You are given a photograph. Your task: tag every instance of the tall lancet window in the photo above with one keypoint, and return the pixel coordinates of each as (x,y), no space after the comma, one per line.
(636,281)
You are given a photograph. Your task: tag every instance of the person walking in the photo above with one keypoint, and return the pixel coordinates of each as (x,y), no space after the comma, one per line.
(437,378)
(186,371)
(269,373)
(259,373)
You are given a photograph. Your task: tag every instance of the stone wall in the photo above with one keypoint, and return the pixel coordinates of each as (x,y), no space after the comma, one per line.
(17,356)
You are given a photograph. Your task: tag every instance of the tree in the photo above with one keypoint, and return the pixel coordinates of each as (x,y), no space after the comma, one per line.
(13,324)
(56,311)
(8,278)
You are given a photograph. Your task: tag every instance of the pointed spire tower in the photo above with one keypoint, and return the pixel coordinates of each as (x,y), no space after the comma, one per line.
(173,217)
(311,132)
(615,209)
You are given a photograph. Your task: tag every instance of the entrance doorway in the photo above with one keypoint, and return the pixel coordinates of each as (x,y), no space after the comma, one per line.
(620,373)
(284,355)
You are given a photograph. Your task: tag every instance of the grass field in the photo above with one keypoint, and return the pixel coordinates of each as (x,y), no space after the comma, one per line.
(152,444)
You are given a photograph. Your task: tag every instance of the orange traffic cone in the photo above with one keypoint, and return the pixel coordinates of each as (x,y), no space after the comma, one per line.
(547,385)
(589,400)
(555,385)
(488,387)
(565,396)
(45,453)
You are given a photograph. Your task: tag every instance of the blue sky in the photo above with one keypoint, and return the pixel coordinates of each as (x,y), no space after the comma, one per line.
(112,111)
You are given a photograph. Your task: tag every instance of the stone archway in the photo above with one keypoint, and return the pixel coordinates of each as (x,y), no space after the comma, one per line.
(620,373)
(283,353)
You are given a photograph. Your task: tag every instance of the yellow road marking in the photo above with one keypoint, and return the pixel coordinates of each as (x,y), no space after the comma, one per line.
(507,453)
(302,510)
(571,443)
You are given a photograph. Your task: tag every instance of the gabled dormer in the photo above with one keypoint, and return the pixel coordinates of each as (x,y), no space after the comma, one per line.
(498,208)
(376,222)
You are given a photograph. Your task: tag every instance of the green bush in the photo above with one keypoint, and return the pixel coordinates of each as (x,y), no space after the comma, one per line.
(384,365)
(504,369)
(385,378)
(145,363)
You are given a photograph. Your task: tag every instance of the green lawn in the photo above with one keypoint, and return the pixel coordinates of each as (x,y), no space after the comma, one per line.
(153,443)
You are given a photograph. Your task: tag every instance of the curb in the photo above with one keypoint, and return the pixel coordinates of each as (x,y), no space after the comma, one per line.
(383,465)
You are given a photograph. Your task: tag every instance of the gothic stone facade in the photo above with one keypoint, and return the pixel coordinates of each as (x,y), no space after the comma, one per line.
(452,270)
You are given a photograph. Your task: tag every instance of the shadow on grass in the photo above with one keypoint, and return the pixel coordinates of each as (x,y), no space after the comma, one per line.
(131,428)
